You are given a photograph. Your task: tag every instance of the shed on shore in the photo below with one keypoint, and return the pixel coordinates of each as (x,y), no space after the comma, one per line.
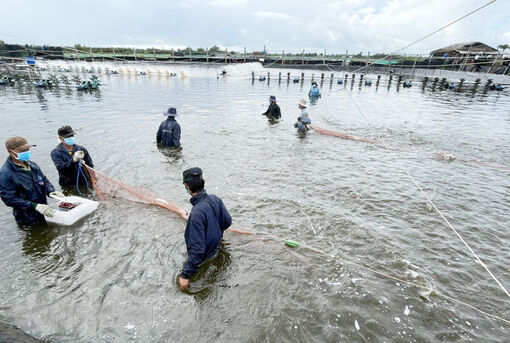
(466,49)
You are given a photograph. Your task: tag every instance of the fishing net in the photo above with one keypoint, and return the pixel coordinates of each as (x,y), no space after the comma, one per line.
(342,135)
(106,187)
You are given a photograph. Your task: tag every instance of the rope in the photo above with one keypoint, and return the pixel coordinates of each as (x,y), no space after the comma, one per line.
(433,33)
(384,274)
(80,172)
(460,237)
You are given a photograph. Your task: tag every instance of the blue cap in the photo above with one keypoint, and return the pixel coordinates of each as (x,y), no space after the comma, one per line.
(171,112)
(272,98)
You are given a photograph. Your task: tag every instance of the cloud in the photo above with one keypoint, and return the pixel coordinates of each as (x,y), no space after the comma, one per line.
(227,3)
(272,15)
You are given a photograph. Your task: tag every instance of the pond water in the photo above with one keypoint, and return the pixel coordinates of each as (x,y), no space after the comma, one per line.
(111,277)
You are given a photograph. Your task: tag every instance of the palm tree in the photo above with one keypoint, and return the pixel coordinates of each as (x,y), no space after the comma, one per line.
(503,47)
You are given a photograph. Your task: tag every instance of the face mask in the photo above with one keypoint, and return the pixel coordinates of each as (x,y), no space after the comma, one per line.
(22,156)
(70,140)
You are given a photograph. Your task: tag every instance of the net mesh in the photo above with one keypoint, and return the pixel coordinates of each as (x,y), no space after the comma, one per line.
(106,187)
(342,135)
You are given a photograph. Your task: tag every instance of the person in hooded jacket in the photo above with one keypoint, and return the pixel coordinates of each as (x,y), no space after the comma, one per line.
(67,157)
(204,229)
(169,132)
(23,186)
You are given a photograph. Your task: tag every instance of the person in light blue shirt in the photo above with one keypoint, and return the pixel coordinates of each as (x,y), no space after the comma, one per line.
(304,118)
(315,91)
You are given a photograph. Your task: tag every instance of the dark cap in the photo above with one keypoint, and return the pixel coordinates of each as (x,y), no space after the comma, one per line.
(272,98)
(17,143)
(171,112)
(192,174)
(66,131)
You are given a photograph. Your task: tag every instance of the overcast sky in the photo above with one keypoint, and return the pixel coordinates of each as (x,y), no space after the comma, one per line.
(335,25)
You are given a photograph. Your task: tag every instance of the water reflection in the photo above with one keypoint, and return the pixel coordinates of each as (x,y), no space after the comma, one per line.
(37,240)
(211,275)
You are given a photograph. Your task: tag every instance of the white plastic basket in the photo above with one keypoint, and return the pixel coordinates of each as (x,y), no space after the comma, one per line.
(83,208)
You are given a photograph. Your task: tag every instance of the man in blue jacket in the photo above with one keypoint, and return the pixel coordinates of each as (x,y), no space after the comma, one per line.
(23,185)
(204,229)
(169,132)
(67,157)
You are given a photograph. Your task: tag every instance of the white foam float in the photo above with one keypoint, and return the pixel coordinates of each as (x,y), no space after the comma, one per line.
(68,216)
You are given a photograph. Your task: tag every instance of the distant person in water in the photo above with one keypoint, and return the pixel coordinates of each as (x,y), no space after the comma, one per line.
(304,118)
(273,111)
(169,132)
(67,157)
(315,91)
(204,230)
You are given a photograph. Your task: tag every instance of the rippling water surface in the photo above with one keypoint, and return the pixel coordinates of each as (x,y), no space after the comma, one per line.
(111,277)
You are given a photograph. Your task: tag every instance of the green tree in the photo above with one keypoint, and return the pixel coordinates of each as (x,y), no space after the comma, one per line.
(214,49)
(2,42)
(503,47)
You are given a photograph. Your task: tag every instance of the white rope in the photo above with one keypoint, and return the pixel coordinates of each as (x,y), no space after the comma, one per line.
(430,34)
(462,239)
(382,273)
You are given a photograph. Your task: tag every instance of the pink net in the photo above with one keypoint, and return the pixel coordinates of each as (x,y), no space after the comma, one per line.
(342,135)
(105,186)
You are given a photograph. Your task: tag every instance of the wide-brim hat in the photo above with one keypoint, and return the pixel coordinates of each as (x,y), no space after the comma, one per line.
(171,112)
(272,98)
(17,142)
(302,102)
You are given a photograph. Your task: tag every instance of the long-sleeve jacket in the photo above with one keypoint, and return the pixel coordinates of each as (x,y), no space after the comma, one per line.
(314,91)
(23,189)
(67,169)
(273,111)
(305,120)
(169,133)
(204,230)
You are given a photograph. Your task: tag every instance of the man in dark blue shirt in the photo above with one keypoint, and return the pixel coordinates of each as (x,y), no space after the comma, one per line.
(169,132)
(204,229)
(67,157)
(23,185)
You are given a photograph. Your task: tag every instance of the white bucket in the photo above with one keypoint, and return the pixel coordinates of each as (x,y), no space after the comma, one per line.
(83,208)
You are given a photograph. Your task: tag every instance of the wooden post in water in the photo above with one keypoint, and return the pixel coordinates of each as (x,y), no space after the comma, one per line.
(268,76)
(324,58)
(206,54)
(190,55)
(91,56)
(312,77)
(283,56)
(173,56)
(288,76)
(279,76)
(303,57)
(302,76)
(244,55)
(226,55)
(252,75)
(332,76)
(154,54)
(113,49)
(134,52)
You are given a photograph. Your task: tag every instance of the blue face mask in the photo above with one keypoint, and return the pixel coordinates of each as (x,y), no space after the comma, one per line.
(70,140)
(23,156)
